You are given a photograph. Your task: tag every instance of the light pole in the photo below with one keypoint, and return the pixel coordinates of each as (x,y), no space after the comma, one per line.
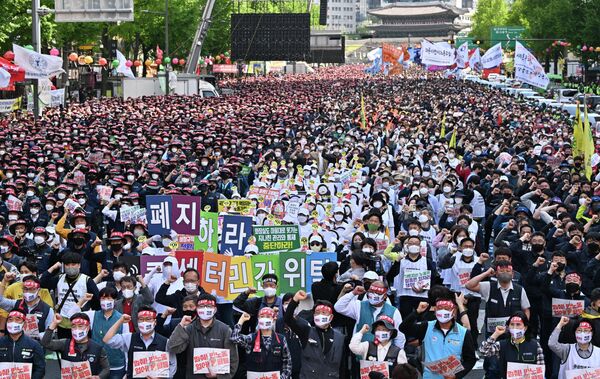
(166,16)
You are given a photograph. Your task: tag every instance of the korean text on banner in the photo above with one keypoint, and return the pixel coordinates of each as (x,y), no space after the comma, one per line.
(262,265)
(211,361)
(373,366)
(277,238)
(10,370)
(75,370)
(208,238)
(153,364)
(528,69)
(439,54)
(31,326)
(314,262)
(9,105)
(562,307)
(492,57)
(235,233)
(448,366)
(524,371)
(584,373)
(186,214)
(263,375)
(493,322)
(475,60)
(36,65)
(158,214)
(243,207)
(292,268)
(215,273)
(462,55)
(417,278)
(240,276)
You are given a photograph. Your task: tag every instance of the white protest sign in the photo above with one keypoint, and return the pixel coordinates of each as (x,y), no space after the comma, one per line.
(584,373)
(528,69)
(462,55)
(563,307)
(263,375)
(446,366)
(524,371)
(10,370)
(369,366)
(75,370)
(439,54)
(417,278)
(150,363)
(493,322)
(211,361)
(127,213)
(31,328)
(492,57)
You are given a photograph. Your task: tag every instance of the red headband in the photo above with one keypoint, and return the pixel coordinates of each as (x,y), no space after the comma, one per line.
(509,267)
(208,302)
(147,314)
(385,318)
(444,303)
(16,314)
(516,319)
(377,289)
(585,324)
(80,321)
(31,284)
(323,308)
(266,311)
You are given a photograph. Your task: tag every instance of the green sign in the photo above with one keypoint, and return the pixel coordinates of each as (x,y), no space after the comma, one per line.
(507,35)
(209,232)
(262,265)
(292,269)
(460,40)
(277,238)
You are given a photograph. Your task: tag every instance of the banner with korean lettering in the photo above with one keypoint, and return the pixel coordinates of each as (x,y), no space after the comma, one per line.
(448,366)
(158,214)
(211,361)
(264,264)
(243,207)
(569,308)
(314,262)
(186,214)
(584,373)
(276,238)
(373,366)
(492,57)
(240,276)
(263,375)
(264,196)
(12,370)
(189,259)
(185,242)
(153,364)
(215,273)
(75,370)
(208,238)
(292,268)
(475,60)
(438,54)
(235,233)
(462,55)
(524,371)
(528,69)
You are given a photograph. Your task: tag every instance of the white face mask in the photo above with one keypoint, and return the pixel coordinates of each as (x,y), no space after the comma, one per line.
(190,287)
(413,249)
(80,226)
(206,313)
(467,252)
(377,204)
(49,207)
(583,337)
(118,275)
(516,333)
(107,305)
(413,232)
(447,189)
(81,201)
(265,323)
(79,335)
(29,193)
(130,178)
(128,294)
(322,321)
(270,291)
(51,183)
(146,327)
(30,296)
(382,335)
(61,195)
(39,240)
(14,327)
(374,298)
(443,316)
(34,211)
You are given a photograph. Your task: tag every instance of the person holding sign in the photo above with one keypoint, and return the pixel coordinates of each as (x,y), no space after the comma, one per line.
(39,314)
(16,347)
(322,346)
(266,351)
(382,348)
(518,347)
(203,333)
(577,355)
(137,345)
(79,348)
(443,339)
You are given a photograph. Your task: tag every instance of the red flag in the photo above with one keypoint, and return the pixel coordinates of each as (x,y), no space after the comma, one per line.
(389,53)
(406,53)
(17,74)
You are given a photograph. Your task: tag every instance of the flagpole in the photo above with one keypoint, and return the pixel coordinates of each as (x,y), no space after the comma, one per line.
(36,43)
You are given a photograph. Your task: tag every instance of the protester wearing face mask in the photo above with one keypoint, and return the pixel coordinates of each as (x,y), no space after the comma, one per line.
(114,254)
(100,322)
(30,303)
(130,302)
(254,305)
(36,217)
(9,259)
(143,340)
(16,347)
(382,348)
(579,355)
(518,347)
(359,262)
(322,345)
(365,311)
(42,253)
(80,241)
(316,243)
(441,337)
(191,279)
(78,347)
(67,287)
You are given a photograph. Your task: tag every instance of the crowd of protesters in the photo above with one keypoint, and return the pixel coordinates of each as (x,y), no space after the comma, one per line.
(503,217)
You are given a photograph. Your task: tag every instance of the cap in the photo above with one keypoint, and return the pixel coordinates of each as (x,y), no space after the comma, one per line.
(370,275)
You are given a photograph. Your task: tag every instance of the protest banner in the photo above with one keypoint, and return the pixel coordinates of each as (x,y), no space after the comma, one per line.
(71,205)
(263,375)
(215,273)
(149,262)
(31,326)
(276,238)
(14,204)
(439,54)
(528,69)
(12,370)
(243,207)
(314,262)
(139,216)
(420,278)
(493,322)
(292,267)
(189,259)
(240,276)
(133,263)
(186,243)
(373,366)
(563,307)
(153,364)
(104,192)
(524,371)
(79,178)
(265,196)
(584,373)
(492,57)
(9,105)
(464,274)
(208,238)
(235,233)
(261,265)
(446,366)
(291,210)
(75,370)
(158,214)
(211,361)
(186,214)
(128,212)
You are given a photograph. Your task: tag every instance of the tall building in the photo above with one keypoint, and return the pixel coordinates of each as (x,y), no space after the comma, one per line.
(341,15)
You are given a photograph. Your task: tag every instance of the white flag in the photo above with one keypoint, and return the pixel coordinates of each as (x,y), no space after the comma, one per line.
(36,65)
(475,60)
(493,57)
(4,78)
(462,55)
(439,54)
(528,69)
(122,69)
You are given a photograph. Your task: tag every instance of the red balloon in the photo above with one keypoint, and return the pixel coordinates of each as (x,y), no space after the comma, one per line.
(137,63)
(102,61)
(9,55)
(182,62)
(158,61)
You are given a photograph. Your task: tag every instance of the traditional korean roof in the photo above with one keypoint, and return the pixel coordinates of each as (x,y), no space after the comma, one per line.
(416,9)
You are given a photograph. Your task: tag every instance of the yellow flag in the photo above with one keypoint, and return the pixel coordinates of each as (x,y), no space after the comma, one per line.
(588,145)
(443,131)
(452,143)
(363,118)
(577,134)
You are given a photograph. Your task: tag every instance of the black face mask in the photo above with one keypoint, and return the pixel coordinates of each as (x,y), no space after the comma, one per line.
(537,247)
(116,246)
(593,248)
(192,313)
(78,241)
(572,287)
(560,267)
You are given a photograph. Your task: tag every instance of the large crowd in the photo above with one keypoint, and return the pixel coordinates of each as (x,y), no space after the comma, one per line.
(502,221)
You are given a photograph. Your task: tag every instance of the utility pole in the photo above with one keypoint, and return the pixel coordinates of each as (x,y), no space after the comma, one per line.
(37,47)
(167,65)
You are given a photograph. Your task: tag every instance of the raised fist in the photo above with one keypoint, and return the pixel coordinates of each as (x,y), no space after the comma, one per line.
(423,305)
(359,290)
(299,296)
(185,321)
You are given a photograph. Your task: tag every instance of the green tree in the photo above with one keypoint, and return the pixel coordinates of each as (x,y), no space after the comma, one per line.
(489,13)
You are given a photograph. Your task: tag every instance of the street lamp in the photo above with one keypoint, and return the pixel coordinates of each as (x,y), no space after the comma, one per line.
(166,15)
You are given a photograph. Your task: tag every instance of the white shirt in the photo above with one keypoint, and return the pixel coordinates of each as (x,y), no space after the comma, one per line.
(362,349)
